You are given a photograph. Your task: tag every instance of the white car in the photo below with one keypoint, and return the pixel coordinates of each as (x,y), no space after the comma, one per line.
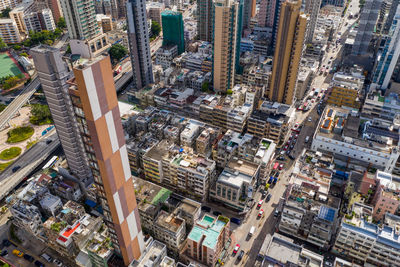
(57,262)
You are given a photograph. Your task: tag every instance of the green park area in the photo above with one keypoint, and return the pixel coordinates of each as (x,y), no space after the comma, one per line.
(10,153)
(19,134)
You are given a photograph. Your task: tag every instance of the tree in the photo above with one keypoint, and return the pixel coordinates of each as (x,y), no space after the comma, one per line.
(40,113)
(155,28)
(3,45)
(17,47)
(11,82)
(118,51)
(61,23)
(205,87)
(23,54)
(5,13)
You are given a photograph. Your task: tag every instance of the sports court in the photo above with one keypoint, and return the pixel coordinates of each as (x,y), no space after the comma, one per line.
(8,66)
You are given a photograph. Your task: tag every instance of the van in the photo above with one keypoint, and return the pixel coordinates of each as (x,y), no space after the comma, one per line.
(252,230)
(307,139)
(18,253)
(46,257)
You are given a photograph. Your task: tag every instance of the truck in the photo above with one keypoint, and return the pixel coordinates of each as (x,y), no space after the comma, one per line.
(252,230)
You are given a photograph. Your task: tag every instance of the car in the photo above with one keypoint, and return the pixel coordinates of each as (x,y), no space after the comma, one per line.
(312,100)
(18,253)
(4,253)
(39,264)
(291,157)
(240,257)
(281,165)
(331,57)
(236,249)
(328,264)
(282,158)
(286,147)
(276,213)
(307,139)
(205,208)
(57,262)
(16,168)
(292,146)
(235,220)
(295,137)
(48,141)
(260,213)
(268,197)
(263,194)
(260,203)
(47,257)
(6,243)
(29,258)
(309,119)
(217,213)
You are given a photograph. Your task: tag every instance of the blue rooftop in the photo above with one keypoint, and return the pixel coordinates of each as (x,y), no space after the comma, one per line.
(327,213)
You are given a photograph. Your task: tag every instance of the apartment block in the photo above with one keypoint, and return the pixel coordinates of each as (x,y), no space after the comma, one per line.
(234,186)
(9,3)
(27,217)
(96,110)
(289,48)
(338,133)
(18,13)
(154,10)
(368,243)
(384,107)
(385,199)
(104,22)
(309,214)
(233,144)
(346,89)
(99,249)
(9,32)
(207,239)
(270,121)
(165,55)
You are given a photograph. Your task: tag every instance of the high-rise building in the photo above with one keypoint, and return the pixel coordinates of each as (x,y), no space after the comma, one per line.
(225,33)
(266,14)
(311,9)
(366,25)
(249,12)
(289,47)
(204,20)
(139,46)
(9,3)
(173,32)
(9,31)
(388,54)
(55,8)
(80,17)
(95,102)
(53,75)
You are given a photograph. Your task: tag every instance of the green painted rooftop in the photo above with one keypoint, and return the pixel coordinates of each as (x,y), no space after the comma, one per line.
(210,228)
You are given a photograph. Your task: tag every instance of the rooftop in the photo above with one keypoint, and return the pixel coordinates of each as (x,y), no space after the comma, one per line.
(208,227)
(169,221)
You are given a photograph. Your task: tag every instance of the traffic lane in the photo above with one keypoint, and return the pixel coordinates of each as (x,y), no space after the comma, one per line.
(308,129)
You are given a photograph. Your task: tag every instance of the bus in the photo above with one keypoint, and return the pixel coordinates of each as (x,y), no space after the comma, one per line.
(50,163)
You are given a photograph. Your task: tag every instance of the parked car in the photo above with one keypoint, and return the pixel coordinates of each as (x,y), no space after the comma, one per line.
(281,166)
(3,253)
(47,257)
(217,213)
(205,208)
(236,249)
(268,197)
(240,255)
(57,262)
(6,242)
(29,258)
(260,203)
(235,220)
(276,213)
(39,264)
(260,213)
(18,253)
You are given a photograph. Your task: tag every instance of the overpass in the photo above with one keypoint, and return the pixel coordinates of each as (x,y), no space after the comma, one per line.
(28,162)
(19,101)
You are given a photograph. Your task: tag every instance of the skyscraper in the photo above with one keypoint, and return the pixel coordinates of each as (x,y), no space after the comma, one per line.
(312,9)
(80,17)
(138,36)
(249,12)
(204,19)
(53,75)
(266,15)
(95,102)
(366,25)
(288,50)
(173,32)
(225,33)
(388,54)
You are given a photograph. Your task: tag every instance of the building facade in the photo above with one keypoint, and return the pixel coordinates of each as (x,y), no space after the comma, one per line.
(9,32)
(101,129)
(204,20)
(173,33)
(53,75)
(311,9)
(289,47)
(139,46)
(225,31)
